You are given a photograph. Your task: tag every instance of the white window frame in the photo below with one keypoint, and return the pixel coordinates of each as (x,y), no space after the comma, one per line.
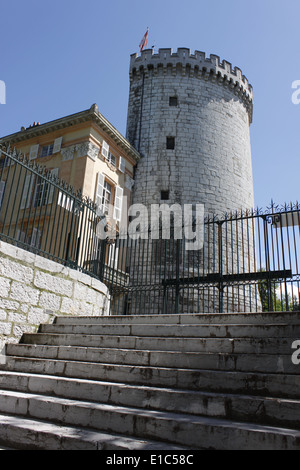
(48,151)
(46,189)
(112,159)
(107,196)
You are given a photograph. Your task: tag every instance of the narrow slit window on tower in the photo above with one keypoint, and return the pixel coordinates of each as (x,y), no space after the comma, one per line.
(164,195)
(170,143)
(173,101)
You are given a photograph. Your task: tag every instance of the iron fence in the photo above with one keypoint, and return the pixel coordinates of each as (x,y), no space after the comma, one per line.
(248,263)
(44,215)
(248,260)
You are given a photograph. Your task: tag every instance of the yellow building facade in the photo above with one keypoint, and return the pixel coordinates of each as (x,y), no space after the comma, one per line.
(82,150)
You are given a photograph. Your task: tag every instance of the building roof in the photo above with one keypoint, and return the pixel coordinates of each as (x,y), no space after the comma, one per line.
(91,114)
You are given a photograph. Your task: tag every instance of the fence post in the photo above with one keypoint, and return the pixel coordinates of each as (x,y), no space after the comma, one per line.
(177,288)
(267,259)
(220,250)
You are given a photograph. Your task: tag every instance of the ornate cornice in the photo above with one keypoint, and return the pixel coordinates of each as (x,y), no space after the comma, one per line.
(90,115)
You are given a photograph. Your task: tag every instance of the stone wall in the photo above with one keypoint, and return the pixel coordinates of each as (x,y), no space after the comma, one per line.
(34,290)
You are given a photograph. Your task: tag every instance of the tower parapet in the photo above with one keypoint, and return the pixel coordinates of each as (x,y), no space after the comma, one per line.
(196,65)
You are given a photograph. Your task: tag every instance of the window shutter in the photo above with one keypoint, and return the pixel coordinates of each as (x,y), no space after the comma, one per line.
(51,188)
(113,257)
(21,236)
(99,190)
(27,192)
(33,237)
(36,238)
(105,149)
(118,203)
(65,202)
(33,152)
(57,145)
(2,189)
(37,192)
(122,164)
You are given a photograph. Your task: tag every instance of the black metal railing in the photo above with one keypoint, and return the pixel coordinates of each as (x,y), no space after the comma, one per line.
(44,215)
(249,262)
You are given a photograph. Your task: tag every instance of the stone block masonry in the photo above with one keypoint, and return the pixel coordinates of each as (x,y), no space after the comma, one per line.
(34,290)
(205,106)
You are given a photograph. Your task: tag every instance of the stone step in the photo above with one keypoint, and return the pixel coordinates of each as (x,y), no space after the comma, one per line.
(275,363)
(185,319)
(193,381)
(176,428)
(265,410)
(28,434)
(226,345)
(191,331)
(280,385)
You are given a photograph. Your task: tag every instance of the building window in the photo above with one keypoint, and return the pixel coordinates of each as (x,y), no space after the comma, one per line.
(44,191)
(173,101)
(112,159)
(46,150)
(104,193)
(41,193)
(170,143)
(107,190)
(164,195)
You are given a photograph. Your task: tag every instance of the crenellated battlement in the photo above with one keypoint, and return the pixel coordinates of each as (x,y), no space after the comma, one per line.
(196,65)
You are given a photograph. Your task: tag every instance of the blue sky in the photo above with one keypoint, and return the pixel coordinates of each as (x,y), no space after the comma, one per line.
(60,57)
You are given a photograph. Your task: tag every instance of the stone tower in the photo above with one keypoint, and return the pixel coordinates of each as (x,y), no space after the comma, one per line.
(189,117)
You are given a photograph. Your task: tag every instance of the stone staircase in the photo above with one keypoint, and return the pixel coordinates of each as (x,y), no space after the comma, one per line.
(167,382)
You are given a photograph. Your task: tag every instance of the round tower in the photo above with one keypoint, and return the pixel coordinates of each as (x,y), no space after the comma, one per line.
(189,117)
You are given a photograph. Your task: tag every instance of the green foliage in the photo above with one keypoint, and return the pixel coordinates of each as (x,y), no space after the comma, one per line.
(273,300)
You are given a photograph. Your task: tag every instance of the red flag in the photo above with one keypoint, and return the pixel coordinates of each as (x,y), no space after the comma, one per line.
(144,41)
